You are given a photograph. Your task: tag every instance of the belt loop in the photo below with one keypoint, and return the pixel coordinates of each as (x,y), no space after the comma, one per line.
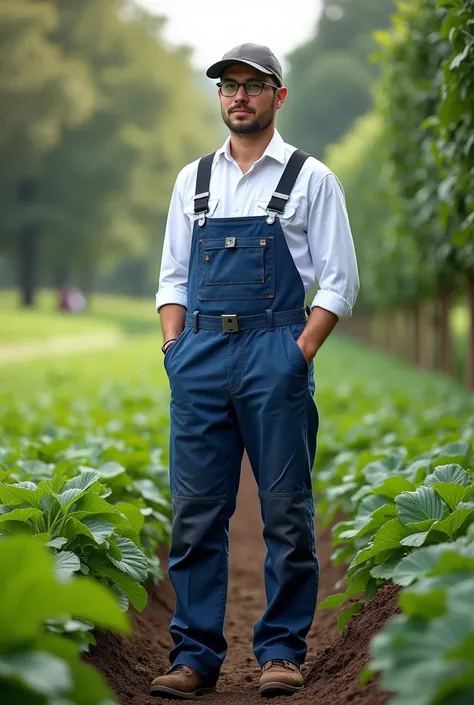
(195,322)
(270,322)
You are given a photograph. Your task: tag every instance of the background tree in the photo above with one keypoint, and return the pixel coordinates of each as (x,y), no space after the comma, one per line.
(97,183)
(331,75)
(41,93)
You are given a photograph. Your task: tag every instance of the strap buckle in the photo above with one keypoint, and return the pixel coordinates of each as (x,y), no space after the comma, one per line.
(271,215)
(201,195)
(230,323)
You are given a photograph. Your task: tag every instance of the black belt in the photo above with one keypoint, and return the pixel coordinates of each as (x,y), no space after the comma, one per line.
(231,323)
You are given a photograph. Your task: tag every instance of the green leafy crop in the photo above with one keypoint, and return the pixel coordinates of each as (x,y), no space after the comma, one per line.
(38,667)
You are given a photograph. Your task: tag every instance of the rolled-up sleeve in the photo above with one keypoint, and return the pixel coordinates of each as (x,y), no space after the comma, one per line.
(173,282)
(332,249)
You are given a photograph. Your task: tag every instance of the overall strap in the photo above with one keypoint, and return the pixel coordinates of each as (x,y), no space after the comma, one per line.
(203,180)
(285,185)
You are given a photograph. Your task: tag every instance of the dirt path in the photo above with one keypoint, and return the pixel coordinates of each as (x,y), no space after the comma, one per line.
(334,663)
(22,352)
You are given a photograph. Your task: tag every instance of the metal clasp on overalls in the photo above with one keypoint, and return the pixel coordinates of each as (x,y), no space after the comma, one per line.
(271,215)
(230,323)
(202,215)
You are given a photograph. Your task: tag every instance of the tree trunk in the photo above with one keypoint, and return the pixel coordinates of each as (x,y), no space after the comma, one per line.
(444,340)
(27,258)
(423,344)
(470,347)
(28,245)
(60,275)
(408,336)
(416,334)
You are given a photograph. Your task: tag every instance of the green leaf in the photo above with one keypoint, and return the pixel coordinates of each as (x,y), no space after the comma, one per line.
(132,513)
(122,600)
(428,605)
(461,57)
(21,515)
(91,504)
(428,597)
(41,672)
(390,535)
(82,482)
(450,492)
(393,486)
(100,529)
(149,491)
(459,596)
(415,540)
(375,473)
(419,563)
(420,505)
(12,494)
(453,523)
(97,529)
(70,496)
(134,592)
(449,474)
(452,561)
(333,601)
(387,538)
(33,595)
(58,542)
(133,561)
(452,453)
(88,687)
(347,615)
(110,470)
(65,564)
(385,570)
(337,600)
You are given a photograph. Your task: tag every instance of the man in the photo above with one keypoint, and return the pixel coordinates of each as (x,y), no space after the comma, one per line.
(249,230)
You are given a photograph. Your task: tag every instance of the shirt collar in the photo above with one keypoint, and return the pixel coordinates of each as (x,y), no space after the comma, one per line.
(275,150)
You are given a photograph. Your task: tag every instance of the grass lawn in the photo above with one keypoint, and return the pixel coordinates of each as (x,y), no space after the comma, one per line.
(107,313)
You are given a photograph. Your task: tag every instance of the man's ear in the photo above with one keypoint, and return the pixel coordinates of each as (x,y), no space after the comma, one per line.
(281,97)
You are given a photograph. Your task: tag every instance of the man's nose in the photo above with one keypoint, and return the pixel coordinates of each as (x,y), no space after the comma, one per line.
(241,94)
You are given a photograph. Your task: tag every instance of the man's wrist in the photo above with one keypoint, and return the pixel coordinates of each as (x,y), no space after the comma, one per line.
(167,344)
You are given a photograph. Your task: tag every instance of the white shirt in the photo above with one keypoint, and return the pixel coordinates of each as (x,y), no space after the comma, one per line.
(315,223)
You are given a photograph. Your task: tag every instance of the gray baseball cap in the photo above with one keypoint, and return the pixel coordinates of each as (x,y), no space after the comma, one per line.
(256,55)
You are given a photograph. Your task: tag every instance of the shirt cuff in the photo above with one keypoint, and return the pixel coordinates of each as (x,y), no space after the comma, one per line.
(332,302)
(171,296)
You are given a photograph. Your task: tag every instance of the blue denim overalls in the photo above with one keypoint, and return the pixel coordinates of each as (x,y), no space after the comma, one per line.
(238,379)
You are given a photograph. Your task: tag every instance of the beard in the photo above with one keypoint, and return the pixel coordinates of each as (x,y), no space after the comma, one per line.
(259,124)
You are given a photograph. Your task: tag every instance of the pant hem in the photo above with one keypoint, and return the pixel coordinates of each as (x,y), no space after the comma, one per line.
(185,659)
(279,652)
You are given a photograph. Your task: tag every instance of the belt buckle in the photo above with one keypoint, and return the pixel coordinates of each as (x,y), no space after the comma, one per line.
(230,323)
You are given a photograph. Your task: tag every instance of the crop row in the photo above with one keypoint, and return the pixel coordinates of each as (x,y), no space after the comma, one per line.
(402,478)
(84,504)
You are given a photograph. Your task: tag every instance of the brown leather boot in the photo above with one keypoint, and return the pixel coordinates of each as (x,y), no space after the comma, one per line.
(181,683)
(280,677)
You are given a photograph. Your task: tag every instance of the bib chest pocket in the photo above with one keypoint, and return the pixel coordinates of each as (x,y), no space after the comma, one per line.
(236,268)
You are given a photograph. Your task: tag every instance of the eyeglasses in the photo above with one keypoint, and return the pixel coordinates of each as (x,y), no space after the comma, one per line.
(252,88)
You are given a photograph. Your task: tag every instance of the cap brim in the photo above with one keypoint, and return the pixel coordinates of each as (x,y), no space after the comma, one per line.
(217,69)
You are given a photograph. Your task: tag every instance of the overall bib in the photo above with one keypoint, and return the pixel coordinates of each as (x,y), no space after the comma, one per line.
(238,379)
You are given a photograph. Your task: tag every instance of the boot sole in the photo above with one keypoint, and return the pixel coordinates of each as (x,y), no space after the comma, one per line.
(273,689)
(172,694)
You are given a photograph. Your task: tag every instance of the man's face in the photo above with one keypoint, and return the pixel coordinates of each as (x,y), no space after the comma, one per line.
(244,114)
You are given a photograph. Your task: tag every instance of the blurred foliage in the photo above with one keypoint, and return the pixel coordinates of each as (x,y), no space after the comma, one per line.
(331,75)
(408,167)
(98,115)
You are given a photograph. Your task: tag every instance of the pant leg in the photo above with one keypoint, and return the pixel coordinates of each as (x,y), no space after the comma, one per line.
(279,422)
(205,457)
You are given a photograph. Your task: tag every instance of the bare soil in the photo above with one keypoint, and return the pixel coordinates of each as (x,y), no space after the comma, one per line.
(334,663)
